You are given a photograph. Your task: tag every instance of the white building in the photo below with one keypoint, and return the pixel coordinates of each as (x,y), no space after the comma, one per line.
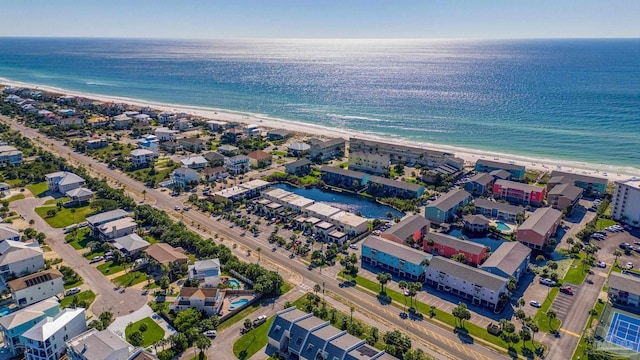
(46,340)
(17,323)
(100,345)
(194,162)
(214,125)
(369,162)
(63,181)
(20,258)
(206,271)
(32,288)
(349,223)
(166,134)
(203,299)
(8,232)
(625,204)
(117,228)
(184,176)
(624,289)
(141,157)
(238,164)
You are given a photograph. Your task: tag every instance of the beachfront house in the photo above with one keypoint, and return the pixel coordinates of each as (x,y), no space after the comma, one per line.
(121,122)
(410,230)
(536,231)
(398,259)
(448,246)
(519,193)
(498,210)
(511,259)
(36,287)
(625,204)
(208,300)
(517,171)
(215,125)
(444,209)
(278,134)
(20,258)
(383,187)
(592,185)
(63,181)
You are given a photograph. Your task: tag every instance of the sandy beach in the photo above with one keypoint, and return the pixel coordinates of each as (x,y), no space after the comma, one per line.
(611,172)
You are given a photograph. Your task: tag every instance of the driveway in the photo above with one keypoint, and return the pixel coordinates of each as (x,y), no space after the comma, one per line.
(108,298)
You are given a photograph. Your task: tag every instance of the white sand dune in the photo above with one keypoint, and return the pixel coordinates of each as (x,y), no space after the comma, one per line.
(609,171)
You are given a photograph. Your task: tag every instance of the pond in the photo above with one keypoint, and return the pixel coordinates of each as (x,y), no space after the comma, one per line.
(345,201)
(486,241)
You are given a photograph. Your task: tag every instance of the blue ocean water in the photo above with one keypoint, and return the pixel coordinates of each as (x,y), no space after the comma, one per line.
(567,99)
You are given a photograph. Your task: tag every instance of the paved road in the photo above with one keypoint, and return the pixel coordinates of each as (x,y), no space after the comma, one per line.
(107,299)
(429,332)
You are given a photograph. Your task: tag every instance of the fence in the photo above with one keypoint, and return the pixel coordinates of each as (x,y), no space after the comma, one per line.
(244,279)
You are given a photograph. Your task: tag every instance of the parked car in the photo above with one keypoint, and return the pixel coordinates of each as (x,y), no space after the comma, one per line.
(72,291)
(210,333)
(354,246)
(96,259)
(601,264)
(177,208)
(535,304)
(625,245)
(259,320)
(566,290)
(629,265)
(547,281)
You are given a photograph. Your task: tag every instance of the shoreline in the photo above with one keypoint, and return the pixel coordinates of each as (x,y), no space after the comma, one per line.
(612,172)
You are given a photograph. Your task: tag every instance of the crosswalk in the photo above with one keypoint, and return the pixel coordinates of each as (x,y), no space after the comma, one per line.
(304,288)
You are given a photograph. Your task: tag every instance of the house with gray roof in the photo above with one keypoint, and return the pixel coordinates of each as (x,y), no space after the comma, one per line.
(207,272)
(399,259)
(100,345)
(474,285)
(479,184)
(444,208)
(536,231)
(63,181)
(20,258)
(340,346)
(448,246)
(384,187)
(17,323)
(79,195)
(498,210)
(509,259)
(564,196)
(409,230)
(131,244)
(624,289)
(301,330)
(96,220)
(8,232)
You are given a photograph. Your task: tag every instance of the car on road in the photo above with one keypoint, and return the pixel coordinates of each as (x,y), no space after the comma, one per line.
(625,245)
(177,208)
(629,265)
(259,320)
(566,290)
(354,246)
(96,259)
(210,333)
(601,264)
(535,304)
(186,208)
(547,281)
(72,291)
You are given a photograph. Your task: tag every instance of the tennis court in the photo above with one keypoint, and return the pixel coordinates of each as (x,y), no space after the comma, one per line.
(624,331)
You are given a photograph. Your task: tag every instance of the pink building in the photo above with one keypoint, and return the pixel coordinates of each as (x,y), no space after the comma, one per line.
(519,193)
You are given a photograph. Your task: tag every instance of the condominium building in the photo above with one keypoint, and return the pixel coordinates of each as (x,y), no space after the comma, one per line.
(448,246)
(399,259)
(536,231)
(519,193)
(516,172)
(444,208)
(592,185)
(408,155)
(625,204)
(369,162)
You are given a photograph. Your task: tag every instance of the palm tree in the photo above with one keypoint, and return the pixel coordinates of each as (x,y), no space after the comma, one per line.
(383,279)
(258,250)
(403,285)
(73,215)
(316,289)
(203,343)
(551,314)
(351,309)
(617,253)
(144,195)
(534,329)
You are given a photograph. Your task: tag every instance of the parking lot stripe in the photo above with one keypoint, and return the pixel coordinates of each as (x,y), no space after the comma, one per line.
(569,332)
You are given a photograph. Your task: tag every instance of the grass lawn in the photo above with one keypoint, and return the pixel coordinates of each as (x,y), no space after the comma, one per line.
(251,342)
(87,296)
(240,316)
(64,217)
(13,182)
(153,333)
(80,239)
(72,285)
(577,273)
(445,317)
(39,189)
(109,268)
(130,279)
(603,223)
(15,197)
(541,316)
(55,201)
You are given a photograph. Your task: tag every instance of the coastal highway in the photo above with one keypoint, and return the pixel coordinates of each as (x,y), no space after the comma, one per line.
(430,333)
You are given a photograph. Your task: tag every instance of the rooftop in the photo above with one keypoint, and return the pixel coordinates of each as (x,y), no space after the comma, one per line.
(123,223)
(580,177)
(79,192)
(567,190)
(541,220)
(624,282)
(106,216)
(259,155)
(165,253)
(518,186)
(200,293)
(408,226)
(130,243)
(349,219)
(481,178)
(193,160)
(297,200)
(399,251)
(508,257)
(395,183)
(449,200)
(28,314)
(344,172)
(634,183)
(499,164)
(298,163)
(502,207)
(476,219)
(34,279)
(298,146)
(49,326)
(65,177)
(461,245)
(468,273)
(15,251)
(99,345)
(500,173)
(323,209)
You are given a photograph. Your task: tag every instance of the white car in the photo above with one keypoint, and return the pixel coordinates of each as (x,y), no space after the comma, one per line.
(177,208)
(535,304)
(72,291)
(629,265)
(602,264)
(96,259)
(548,282)
(354,246)
(210,333)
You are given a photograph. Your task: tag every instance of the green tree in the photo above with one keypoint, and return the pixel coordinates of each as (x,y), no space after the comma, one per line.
(202,343)
(106,318)
(164,283)
(383,279)
(461,313)
(135,338)
(617,253)
(403,285)
(551,314)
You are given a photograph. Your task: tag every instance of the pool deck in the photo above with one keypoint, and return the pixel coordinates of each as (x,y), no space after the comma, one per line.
(226,303)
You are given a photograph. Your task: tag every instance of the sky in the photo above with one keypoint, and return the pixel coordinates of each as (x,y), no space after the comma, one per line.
(228,19)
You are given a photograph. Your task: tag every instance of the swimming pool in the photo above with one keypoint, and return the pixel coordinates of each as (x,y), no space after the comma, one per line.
(234,284)
(238,303)
(502,226)
(5,311)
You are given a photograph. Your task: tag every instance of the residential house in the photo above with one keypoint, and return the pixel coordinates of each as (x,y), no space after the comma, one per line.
(130,245)
(624,289)
(247,190)
(63,181)
(475,223)
(5,189)
(166,254)
(347,179)
(79,196)
(36,287)
(251,130)
(170,146)
(518,193)
(20,258)
(207,272)
(8,232)
(511,259)
(300,167)
(625,204)
(327,150)
(142,157)
(150,143)
(117,228)
(369,162)
(475,285)
(592,185)
(97,220)
(536,231)
(228,150)
(444,209)
(448,246)
(383,187)
(214,125)
(98,121)
(208,300)
(165,134)
(212,174)
(564,197)
(46,340)
(66,112)
(214,158)
(10,155)
(278,134)
(259,159)
(232,135)
(399,259)
(192,144)
(194,162)
(480,184)
(185,177)
(166,117)
(100,345)
(298,149)
(142,118)
(182,124)
(238,164)
(13,325)
(408,155)
(96,143)
(486,166)
(498,210)
(410,230)
(122,122)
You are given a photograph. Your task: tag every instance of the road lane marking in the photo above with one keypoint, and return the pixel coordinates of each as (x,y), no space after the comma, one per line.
(570,332)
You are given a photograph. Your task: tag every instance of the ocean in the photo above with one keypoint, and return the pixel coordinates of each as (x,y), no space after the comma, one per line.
(576,100)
